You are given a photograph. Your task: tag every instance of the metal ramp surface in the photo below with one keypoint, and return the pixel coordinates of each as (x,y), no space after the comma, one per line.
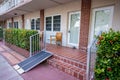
(31,62)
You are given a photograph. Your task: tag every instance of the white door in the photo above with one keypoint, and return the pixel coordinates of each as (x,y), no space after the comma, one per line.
(101,20)
(74,29)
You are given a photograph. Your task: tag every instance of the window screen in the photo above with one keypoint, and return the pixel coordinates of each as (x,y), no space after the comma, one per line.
(38,24)
(16,25)
(56,23)
(48,23)
(33,24)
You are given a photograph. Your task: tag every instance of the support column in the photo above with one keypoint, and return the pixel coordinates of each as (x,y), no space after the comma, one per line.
(42,20)
(23,21)
(84,26)
(12,19)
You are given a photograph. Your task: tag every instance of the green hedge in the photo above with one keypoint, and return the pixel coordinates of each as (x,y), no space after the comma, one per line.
(107,65)
(19,37)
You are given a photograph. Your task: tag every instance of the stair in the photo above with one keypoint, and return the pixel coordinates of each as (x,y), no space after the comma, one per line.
(71,67)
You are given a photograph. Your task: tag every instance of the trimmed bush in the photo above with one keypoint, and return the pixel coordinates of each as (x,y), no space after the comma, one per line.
(107,65)
(19,37)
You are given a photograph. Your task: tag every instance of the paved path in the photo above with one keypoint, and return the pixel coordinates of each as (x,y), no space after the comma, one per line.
(7,72)
(11,56)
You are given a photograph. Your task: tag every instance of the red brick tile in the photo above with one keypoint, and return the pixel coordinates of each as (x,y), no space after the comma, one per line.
(75,74)
(80,77)
(80,65)
(66,52)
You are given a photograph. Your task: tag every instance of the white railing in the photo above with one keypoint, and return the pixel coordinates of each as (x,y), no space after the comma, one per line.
(9,4)
(91,58)
(37,43)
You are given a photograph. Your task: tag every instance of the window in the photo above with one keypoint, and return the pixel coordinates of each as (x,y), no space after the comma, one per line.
(32,24)
(48,23)
(10,25)
(53,23)
(16,25)
(35,24)
(38,24)
(56,23)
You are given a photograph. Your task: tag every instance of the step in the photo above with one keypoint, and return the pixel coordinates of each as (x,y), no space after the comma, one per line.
(80,64)
(74,69)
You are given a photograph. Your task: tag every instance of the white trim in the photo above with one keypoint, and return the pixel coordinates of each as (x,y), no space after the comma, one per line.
(52,22)
(35,28)
(72,44)
(45,23)
(17,25)
(93,20)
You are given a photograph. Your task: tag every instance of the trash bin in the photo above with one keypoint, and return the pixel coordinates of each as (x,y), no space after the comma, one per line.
(1,34)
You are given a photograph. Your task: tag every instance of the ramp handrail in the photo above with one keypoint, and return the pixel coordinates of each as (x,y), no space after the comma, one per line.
(89,58)
(37,43)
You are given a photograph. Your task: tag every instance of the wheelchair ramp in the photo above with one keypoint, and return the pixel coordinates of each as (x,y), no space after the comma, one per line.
(31,62)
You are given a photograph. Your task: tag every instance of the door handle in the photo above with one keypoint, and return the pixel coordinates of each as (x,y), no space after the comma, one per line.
(69,31)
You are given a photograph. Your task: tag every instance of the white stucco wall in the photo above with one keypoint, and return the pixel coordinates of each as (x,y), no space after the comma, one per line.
(30,16)
(102,3)
(116,16)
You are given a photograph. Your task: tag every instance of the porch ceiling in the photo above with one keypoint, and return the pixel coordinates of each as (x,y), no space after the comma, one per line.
(1,1)
(32,6)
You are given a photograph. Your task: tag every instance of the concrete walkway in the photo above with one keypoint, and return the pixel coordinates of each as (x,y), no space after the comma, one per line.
(11,56)
(7,72)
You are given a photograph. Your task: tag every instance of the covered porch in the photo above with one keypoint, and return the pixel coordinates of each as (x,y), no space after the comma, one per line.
(70,53)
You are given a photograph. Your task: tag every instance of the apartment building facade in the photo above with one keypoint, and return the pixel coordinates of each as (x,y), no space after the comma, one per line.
(78,20)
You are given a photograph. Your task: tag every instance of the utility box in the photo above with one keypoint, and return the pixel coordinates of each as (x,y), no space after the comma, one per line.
(1,34)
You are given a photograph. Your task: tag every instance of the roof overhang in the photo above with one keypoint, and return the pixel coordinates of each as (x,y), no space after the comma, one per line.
(32,6)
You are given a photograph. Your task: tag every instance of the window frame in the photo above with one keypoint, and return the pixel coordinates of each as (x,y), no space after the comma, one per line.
(57,23)
(92,32)
(35,23)
(52,22)
(32,28)
(17,24)
(10,25)
(46,23)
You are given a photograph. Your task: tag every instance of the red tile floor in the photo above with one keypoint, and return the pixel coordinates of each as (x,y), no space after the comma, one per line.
(73,54)
(41,72)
